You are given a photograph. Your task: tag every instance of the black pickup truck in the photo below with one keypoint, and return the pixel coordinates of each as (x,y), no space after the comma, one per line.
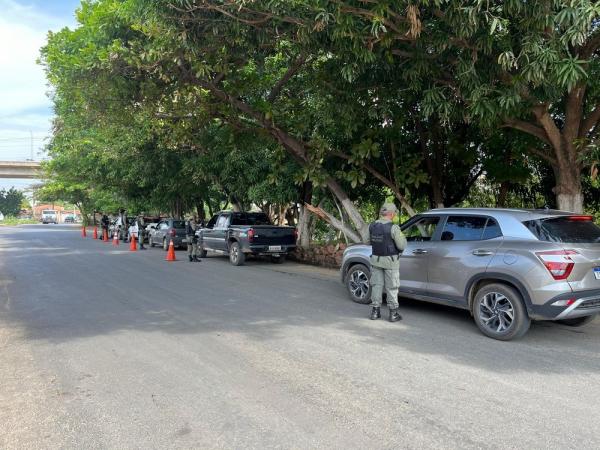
(238,234)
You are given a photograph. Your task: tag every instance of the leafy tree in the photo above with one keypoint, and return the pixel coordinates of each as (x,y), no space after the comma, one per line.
(10,201)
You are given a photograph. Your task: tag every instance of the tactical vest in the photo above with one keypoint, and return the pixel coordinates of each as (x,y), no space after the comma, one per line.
(189,229)
(381,239)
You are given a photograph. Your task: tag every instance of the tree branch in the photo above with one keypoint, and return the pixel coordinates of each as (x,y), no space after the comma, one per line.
(334,222)
(528,128)
(545,120)
(544,155)
(292,70)
(387,182)
(590,122)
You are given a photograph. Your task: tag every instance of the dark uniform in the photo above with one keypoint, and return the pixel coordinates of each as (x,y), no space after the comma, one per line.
(141,223)
(104,222)
(192,240)
(387,242)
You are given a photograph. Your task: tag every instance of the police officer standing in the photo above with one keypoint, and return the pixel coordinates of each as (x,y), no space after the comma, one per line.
(192,239)
(141,223)
(105,222)
(387,242)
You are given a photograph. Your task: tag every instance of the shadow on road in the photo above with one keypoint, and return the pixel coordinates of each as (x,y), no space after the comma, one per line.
(59,295)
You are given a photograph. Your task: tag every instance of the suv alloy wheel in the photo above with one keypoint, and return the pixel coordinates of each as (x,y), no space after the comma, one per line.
(357,283)
(499,312)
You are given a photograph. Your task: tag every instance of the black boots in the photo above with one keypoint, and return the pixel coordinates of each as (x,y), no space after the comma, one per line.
(190,258)
(394,315)
(375,313)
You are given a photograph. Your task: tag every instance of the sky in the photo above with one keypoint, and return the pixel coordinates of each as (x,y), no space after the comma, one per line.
(25,109)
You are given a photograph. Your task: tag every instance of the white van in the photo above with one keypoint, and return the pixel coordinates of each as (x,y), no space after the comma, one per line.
(49,216)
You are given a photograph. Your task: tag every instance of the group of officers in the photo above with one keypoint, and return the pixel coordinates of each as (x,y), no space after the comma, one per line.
(386,239)
(137,229)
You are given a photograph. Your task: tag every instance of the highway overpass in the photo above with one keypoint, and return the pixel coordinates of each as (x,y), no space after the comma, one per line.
(20,169)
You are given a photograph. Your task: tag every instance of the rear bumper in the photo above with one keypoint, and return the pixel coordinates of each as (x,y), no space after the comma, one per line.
(264,249)
(585,303)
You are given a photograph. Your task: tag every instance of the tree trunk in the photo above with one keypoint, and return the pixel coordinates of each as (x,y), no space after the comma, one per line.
(569,195)
(200,211)
(305,219)
(503,194)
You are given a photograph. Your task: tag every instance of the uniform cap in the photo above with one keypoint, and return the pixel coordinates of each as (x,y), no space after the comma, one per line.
(388,208)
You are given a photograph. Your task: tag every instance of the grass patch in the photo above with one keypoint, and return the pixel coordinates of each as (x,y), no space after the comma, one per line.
(15,221)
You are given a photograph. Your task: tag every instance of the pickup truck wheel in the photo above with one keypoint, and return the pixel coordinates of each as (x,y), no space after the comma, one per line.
(278,259)
(236,256)
(499,312)
(577,321)
(357,283)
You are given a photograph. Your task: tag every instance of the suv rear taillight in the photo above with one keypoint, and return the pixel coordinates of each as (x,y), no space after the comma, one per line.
(173,232)
(250,234)
(558,262)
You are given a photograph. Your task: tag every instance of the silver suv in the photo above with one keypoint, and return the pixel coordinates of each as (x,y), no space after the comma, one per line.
(506,266)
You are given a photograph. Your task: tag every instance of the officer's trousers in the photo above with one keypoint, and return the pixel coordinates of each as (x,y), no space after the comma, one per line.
(388,280)
(192,246)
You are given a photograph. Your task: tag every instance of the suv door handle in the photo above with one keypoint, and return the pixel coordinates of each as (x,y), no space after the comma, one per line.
(481,252)
(419,251)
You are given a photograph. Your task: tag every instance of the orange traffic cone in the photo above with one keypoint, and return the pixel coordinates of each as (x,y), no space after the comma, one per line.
(132,245)
(95,232)
(105,236)
(83,232)
(115,238)
(171,253)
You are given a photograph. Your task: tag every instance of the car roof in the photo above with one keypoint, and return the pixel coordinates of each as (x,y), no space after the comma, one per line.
(520,214)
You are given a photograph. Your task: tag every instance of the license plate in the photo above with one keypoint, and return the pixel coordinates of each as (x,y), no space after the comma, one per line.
(597,273)
(274,248)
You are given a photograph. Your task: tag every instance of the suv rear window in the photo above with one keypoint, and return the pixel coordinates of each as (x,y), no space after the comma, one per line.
(178,224)
(567,229)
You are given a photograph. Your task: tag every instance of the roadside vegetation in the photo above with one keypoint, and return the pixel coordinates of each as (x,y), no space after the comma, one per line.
(317,111)
(15,221)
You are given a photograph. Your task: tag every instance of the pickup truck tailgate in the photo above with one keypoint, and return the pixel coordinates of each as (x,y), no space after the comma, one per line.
(271,235)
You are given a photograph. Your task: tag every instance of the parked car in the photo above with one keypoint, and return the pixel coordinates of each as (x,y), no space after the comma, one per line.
(239,234)
(168,230)
(151,223)
(49,216)
(506,266)
(69,219)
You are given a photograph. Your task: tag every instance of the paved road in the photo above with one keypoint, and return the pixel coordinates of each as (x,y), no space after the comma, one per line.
(102,348)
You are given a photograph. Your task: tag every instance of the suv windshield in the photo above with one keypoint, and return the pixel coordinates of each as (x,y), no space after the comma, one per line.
(250,219)
(567,229)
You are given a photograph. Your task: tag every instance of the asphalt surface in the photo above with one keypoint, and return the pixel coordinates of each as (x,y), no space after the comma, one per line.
(103,348)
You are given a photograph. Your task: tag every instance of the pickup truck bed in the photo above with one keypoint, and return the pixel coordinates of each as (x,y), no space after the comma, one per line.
(240,234)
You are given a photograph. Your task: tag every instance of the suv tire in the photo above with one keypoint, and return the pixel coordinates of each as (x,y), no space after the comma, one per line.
(499,312)
(357,283)
(577,321)
(236,255)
